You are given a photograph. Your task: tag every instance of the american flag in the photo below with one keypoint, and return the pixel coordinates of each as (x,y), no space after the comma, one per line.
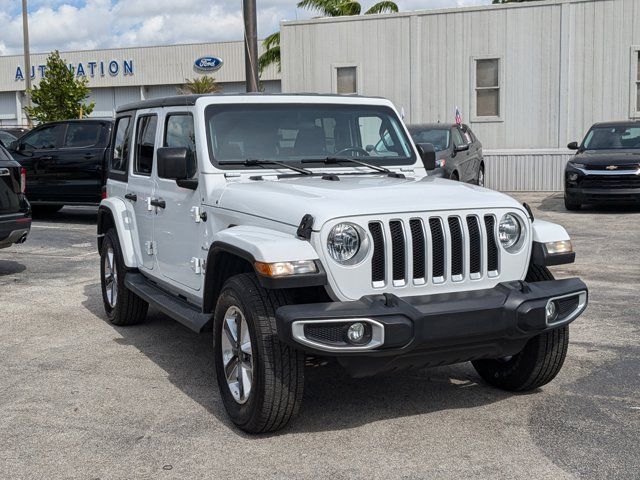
(458,117)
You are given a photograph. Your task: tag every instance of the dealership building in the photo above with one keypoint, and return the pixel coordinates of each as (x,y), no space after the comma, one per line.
(124,75)
(527,77)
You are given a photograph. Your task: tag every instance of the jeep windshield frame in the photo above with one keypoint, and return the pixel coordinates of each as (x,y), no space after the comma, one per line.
(291,132)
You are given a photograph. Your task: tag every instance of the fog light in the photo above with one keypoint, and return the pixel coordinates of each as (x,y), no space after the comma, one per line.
(550,311)
(356,332)
(573,177)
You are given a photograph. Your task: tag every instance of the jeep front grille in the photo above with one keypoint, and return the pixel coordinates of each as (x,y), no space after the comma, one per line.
(433,250)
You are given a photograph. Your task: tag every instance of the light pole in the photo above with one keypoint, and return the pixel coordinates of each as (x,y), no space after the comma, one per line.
(250,44)
(27,58)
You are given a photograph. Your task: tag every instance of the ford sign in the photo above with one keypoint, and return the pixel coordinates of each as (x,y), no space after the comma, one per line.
(209,64)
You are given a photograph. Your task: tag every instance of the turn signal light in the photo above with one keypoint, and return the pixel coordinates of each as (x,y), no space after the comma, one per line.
(563,246)
(285,269)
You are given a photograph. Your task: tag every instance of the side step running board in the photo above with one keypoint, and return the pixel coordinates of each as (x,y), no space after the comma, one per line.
(176,308)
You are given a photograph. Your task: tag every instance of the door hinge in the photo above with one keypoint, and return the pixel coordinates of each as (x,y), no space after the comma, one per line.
(198,265)
(150,246)
(149,206)
(196,214)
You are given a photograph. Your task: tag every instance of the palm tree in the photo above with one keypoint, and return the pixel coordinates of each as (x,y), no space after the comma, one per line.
(203,84)
(327,8)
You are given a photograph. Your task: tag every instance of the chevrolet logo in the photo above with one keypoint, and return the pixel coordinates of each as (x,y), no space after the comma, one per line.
(612,167)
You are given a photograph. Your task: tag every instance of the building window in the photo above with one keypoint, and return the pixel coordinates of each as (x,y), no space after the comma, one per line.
(346,80)
(487,87)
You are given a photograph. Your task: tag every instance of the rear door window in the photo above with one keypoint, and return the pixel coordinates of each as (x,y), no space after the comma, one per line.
(145,144)
(82,135)
(120,155)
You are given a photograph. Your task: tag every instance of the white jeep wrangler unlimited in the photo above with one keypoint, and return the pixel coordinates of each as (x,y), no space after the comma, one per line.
(296,225)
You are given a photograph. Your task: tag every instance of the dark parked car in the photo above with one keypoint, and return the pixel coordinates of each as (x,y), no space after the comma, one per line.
(6,138)
(15,211)
(458,150)
(606,167)
(65,162)
(15,130)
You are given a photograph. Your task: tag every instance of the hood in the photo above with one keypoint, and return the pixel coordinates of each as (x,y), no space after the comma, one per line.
(608,157)
(288,200)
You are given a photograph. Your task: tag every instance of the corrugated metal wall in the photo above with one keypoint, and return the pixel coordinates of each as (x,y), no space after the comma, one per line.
(525,170)
(566,64)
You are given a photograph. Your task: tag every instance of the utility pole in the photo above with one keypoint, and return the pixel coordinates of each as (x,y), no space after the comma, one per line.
(27,57)
(250,44)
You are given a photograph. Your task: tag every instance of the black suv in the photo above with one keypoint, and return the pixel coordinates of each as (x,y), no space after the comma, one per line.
(458,150)
(606,167)
(15,211)
(65,162)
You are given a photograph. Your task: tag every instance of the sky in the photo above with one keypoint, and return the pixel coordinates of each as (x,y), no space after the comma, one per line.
(92,24)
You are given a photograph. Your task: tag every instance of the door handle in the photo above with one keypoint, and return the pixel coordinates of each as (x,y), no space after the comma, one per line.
(48,157)
(157,202)
(131,196)
(89,156)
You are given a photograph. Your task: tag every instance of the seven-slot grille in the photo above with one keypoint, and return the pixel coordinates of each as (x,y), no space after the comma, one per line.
(441,249)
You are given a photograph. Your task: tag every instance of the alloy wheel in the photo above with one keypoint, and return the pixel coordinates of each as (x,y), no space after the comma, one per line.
(237,355)
(110,277)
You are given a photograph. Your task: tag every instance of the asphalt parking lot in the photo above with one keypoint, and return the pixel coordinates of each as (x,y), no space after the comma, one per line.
(81,398)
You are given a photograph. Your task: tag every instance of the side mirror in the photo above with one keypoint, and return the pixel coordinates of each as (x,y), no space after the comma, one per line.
(461,148)
(15,146)
(428,155)
(179,164)
(573,146)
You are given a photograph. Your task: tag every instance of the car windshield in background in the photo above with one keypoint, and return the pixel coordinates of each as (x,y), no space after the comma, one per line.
(294,132)
(612,138)
(439,137)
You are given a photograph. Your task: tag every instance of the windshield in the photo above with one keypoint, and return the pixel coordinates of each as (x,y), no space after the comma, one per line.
(611,138)
(293,132)
(438,137)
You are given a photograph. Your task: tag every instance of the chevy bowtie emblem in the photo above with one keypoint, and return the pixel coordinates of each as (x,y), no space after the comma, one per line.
(612,167)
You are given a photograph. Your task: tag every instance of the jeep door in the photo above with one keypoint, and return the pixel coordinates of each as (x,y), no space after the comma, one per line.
(177,228)
(141,185)
(79,166)
(37,152)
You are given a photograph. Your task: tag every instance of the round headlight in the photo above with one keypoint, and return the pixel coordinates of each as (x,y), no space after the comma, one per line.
(509,231)
(343,242)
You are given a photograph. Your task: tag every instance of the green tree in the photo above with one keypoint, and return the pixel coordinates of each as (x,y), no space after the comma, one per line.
(327,8)
(60,95)
(203,84)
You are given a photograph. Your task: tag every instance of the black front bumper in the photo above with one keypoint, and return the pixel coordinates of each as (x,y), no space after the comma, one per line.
(434,329)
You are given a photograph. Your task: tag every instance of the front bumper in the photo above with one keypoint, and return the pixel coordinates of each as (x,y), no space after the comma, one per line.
(603,195)
(432,329)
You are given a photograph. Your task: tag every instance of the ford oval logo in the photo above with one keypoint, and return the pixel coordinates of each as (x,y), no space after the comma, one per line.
(208,63)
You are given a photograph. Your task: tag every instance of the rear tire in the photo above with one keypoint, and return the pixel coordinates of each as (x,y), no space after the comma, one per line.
(540,360)
(570,204)
(271,372)
(123,307)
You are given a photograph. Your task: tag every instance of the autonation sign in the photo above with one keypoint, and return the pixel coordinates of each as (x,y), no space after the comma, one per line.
(99,68)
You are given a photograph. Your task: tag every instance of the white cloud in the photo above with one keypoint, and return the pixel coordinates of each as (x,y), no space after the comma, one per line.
(90,24)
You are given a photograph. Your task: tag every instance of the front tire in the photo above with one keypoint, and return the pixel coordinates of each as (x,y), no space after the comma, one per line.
(261,380)
(123,307)
(570,204)
(540,360)
(480,181)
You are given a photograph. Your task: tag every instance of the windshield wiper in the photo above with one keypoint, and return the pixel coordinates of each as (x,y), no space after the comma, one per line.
(335,160)
(255,162)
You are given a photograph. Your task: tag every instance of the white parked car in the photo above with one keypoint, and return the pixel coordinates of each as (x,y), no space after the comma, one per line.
(272,221)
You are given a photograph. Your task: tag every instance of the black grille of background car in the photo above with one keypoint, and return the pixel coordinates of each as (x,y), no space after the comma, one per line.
(378,262)
(565,306)
(327,332)
(492,245)
(448,249)
(610,181)
(629,166)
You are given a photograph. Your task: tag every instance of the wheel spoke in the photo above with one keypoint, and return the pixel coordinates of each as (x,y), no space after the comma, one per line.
(231,369)
(230,330)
